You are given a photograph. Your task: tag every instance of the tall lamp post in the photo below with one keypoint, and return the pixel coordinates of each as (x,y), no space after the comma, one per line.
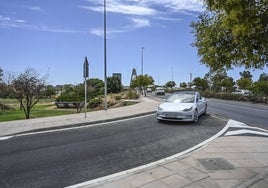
(105,66)
(142,88)
(142,61)
(86,70)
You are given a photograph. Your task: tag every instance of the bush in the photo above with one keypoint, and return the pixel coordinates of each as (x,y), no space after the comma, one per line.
(96,102)
(235,97)
(4,107)
(131,94)
(118,97)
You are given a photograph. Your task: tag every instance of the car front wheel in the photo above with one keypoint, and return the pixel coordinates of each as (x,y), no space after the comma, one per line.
(205,111)
(195,120)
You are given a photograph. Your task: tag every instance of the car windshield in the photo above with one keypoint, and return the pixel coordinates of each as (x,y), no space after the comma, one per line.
(181,98)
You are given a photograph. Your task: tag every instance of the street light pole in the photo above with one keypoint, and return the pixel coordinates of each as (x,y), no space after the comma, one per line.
(142,61)
(105,66)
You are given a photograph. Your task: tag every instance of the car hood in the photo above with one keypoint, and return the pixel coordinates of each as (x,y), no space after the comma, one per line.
(168,106)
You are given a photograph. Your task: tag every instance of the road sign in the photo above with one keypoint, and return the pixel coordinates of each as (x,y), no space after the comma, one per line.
(86,68)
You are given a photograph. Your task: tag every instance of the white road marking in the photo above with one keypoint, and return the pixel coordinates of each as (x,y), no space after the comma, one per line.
(5,137)
(237,124)
(245,131)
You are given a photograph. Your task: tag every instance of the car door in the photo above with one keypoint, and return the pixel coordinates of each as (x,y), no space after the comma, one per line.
(200,103)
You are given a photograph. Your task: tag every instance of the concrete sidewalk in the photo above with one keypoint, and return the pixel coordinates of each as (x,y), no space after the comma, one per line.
(225,161)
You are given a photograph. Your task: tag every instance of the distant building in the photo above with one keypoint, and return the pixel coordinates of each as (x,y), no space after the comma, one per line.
(118,75)
(133,75)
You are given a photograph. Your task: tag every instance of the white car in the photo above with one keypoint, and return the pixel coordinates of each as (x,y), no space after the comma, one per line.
(182,106)
(159,91)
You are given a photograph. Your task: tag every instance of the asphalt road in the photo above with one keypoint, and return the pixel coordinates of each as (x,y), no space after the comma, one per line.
(68,157)
(248,113)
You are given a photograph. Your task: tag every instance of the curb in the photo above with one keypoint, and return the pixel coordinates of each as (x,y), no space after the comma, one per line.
(81,124)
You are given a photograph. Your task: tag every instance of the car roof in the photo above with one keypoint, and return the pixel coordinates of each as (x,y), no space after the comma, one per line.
(186,92)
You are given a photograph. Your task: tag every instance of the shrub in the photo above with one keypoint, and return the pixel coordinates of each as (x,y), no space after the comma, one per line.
(118,97)
(4,107)
(236,97)
(93,103)
(131,94)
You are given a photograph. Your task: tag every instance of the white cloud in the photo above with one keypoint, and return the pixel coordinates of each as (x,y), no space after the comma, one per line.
(140,22)
(135,24)
(36,8)
(109,33)
(11,22)
(6,22)
(121,7)
(145,7)
(116,7)
(178,5)
(143,11)
(98,32)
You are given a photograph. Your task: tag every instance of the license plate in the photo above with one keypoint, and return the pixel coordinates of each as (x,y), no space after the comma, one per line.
(171,115)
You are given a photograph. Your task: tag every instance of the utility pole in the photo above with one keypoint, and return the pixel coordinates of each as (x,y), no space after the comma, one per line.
(105,60)
(172,74)
(191,75)
(142,61)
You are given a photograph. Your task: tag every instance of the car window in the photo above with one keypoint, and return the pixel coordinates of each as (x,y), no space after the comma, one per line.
(181,98)
(199,97)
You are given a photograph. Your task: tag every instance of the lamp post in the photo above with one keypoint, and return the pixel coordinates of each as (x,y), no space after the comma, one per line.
(105,66)
(142,61)
(86,70)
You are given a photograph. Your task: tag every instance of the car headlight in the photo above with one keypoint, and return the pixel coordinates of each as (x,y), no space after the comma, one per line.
(187,109)
(159,108)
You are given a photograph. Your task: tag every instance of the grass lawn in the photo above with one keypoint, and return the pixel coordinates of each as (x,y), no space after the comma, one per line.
(44,108)
(47,108)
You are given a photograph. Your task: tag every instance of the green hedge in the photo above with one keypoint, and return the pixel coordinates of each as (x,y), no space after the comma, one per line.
(235,97)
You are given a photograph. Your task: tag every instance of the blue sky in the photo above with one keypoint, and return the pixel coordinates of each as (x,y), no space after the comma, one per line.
(54,36)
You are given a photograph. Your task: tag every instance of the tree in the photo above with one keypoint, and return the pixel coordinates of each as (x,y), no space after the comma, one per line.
(1,75)
(170,84)
(246,74)
(142,81)
(49,91)
(201,83)
(263,77)
(114,84)
(261,86)
(28,89)
(6,86)
(2,85)
(243,83)
(183,85)
(233,33)
(228,84)
(95,87)
(219,80)
(72,93)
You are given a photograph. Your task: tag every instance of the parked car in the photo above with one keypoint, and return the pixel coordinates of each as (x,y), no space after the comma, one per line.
(182,106)
(149,90)
(159,91)
(243,92)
